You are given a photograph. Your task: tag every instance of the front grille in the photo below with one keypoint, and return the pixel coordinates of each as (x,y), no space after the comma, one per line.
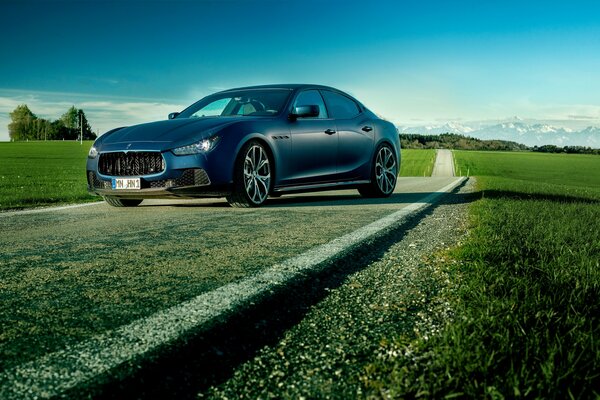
(131,163)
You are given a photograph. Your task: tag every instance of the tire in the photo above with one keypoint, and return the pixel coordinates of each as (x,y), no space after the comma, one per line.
(117,202)
(251,176)
(384,173)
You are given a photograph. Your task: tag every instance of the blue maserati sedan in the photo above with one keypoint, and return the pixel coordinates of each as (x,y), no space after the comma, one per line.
(247,144)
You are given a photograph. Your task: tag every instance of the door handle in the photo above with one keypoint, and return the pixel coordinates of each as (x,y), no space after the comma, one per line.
(367,128)
(330,131)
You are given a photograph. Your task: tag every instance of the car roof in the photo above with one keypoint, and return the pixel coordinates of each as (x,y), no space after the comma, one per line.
(291,86)
(296,86)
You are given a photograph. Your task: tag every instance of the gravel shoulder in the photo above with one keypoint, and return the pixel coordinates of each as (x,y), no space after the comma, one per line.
(399,296)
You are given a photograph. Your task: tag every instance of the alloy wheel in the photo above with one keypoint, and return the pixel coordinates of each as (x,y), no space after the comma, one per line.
(257,174)
(386,170)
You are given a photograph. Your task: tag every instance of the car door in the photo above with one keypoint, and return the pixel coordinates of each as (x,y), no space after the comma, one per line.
(314,143)
(355,136)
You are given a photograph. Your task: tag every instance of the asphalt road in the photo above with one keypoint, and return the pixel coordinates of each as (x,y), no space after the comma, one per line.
(444,165)
(69,275)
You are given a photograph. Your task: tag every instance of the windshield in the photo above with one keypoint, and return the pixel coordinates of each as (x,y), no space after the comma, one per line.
(248,102)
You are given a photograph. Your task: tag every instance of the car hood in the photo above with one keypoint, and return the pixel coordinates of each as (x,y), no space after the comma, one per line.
(170,131)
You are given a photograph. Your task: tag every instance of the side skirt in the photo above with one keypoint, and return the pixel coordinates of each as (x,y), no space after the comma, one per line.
(319,187)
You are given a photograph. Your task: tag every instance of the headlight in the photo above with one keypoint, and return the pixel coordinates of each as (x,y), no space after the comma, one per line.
(203,146)
(93,152)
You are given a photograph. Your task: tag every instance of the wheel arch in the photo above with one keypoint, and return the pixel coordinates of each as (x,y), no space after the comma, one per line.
(269,147)
(378,144)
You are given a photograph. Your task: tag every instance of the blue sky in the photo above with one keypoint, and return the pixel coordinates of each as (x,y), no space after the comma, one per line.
(414,62)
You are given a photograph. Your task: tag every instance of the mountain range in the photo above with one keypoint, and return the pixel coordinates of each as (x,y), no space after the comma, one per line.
(536,134)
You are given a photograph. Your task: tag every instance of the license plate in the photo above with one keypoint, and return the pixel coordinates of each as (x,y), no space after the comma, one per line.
(126,183)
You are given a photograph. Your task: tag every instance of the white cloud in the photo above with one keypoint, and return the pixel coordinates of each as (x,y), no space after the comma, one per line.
(103,113)
(110,114)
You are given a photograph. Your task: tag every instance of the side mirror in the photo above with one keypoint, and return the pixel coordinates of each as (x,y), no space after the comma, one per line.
(173,115)
(305,111)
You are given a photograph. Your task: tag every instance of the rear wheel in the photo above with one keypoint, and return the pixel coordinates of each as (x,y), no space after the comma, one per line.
(251,176)
(117,202)
(384,174)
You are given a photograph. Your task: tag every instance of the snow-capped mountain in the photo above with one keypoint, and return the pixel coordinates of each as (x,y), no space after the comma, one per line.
(516,130)
(453,127)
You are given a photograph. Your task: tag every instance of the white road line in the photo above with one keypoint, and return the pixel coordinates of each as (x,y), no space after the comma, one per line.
(46,209)
(57,372)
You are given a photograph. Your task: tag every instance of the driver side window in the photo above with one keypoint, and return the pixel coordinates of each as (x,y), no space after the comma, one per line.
(310,98)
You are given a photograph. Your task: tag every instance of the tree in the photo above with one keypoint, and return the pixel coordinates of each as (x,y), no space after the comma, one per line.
(75,121)
(26,126)
(57,131)
(70,119)
(88,134)
(22,120)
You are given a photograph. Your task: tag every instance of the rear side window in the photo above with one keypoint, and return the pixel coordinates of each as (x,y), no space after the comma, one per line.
(340,106)
(311,98)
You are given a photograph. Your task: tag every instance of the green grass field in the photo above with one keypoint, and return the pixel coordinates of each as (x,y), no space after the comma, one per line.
(527,307)
(42,173)
(416,162)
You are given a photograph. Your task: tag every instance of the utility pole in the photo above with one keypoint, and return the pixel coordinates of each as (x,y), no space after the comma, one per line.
(81,127)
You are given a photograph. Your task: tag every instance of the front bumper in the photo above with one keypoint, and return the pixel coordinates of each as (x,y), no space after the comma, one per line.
(191,183)
(182,176)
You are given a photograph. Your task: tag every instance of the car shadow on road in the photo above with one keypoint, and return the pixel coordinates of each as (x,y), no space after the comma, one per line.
(342,200)
(209,356)
(324,200)
(320,200)
(354,200)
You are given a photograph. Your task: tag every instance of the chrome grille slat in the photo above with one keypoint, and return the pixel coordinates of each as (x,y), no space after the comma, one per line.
(132,163)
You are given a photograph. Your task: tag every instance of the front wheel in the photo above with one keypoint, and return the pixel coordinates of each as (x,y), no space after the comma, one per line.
(383,175)
(251,176)
(117,202)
